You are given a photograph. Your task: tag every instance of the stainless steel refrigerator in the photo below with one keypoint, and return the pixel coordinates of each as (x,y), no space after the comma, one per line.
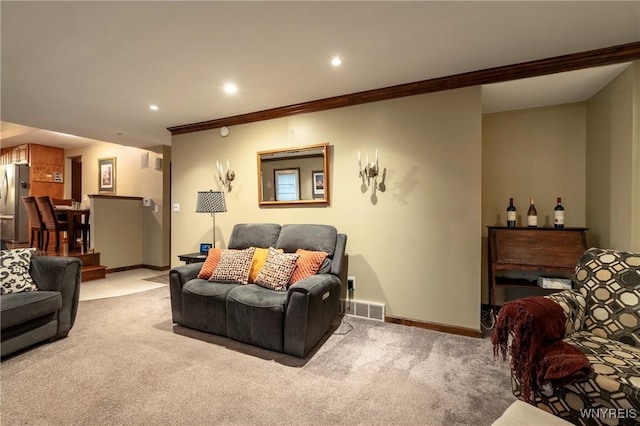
(14,184)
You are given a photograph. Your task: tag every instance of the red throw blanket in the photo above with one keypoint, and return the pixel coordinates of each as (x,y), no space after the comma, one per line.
(563,364)
(538,354)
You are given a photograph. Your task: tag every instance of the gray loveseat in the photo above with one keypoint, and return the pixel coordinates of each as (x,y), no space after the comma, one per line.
(291,321)
(31,317)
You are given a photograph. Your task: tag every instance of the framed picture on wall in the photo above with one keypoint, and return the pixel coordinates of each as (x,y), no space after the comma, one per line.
(317,180)
(107,175)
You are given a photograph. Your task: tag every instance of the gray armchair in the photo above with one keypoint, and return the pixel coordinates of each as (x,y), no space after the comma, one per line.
(31,317)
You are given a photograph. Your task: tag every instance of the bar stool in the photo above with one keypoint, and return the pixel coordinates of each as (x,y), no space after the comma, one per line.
(35,220)
(51,222)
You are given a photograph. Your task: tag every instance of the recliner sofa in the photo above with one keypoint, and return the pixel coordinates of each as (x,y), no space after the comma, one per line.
(291,321)
(49,313)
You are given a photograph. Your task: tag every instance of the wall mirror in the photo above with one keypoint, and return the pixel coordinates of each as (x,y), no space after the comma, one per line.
(294,176)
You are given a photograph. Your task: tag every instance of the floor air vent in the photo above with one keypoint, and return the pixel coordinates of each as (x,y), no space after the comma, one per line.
(369,310)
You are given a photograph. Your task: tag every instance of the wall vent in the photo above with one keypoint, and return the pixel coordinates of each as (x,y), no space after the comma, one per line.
(361,309)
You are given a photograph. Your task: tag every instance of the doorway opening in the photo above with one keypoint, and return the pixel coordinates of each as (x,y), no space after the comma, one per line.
(76,178)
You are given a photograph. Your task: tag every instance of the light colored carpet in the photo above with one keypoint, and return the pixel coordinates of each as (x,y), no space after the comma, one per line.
(125,363)
(121,283)
(162,279)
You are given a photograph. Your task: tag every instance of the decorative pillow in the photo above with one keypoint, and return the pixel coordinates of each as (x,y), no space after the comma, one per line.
(213,257)
(308,264)
(277,270)
(259,257)
(14,271)
(234,267)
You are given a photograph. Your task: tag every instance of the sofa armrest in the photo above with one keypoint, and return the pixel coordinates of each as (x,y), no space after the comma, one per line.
(574,306)
(63,274)
(178,276)
(312,305)
(338,263)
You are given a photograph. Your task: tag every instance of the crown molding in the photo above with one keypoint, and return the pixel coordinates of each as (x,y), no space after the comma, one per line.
(557,64)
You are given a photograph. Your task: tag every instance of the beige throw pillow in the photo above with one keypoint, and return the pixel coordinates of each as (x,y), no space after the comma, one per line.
(234,267)
(277,270)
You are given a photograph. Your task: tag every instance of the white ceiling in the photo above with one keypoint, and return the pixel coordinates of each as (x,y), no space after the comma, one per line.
(92,69)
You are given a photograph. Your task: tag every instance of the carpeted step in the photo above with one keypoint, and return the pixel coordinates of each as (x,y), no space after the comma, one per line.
(93,272)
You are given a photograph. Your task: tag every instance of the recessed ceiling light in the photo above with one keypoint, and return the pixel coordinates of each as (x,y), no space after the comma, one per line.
(336,61)
(230,88)
(153,107)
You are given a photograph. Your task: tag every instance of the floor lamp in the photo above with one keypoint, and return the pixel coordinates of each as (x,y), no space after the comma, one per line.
(211,202)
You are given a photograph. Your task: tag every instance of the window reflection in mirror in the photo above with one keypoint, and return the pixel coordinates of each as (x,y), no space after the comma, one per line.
(287,184)
(294,176)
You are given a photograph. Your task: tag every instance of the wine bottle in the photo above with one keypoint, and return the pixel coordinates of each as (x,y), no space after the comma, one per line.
(511,214)
(532,215)
(558,215)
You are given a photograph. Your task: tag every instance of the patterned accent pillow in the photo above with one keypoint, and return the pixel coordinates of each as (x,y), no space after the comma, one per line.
(213,257)
(14,271)
(234,267)
(277,270)
(308,264)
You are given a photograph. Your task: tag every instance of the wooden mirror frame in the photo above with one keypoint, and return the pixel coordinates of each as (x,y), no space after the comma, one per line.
(318,150)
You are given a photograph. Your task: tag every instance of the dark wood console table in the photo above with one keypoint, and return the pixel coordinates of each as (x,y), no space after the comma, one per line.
(553,251)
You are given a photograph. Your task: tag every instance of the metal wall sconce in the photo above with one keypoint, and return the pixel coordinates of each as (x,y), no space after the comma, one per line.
(369,174)
(225,177)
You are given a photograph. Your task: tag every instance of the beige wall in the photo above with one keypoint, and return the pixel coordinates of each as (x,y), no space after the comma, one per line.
(613,161)
(131,180)
(116,225)
(539,153)
(414,247)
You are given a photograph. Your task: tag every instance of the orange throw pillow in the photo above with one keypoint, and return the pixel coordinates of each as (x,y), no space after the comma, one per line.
(210,263)
(307,264)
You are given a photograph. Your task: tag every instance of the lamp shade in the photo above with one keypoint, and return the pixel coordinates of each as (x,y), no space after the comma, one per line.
(210,202)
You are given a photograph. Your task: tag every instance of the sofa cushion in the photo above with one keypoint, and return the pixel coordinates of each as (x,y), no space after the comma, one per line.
(309,237)
(234,267)
(210,263)
(255,315)
(307,264)
(277,270)
(204,305)
(18,308)
(613,382)
(615,366)
(14,271)
(247,235)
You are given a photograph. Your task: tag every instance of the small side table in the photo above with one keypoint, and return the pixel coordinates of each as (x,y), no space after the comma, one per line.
(193,257)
